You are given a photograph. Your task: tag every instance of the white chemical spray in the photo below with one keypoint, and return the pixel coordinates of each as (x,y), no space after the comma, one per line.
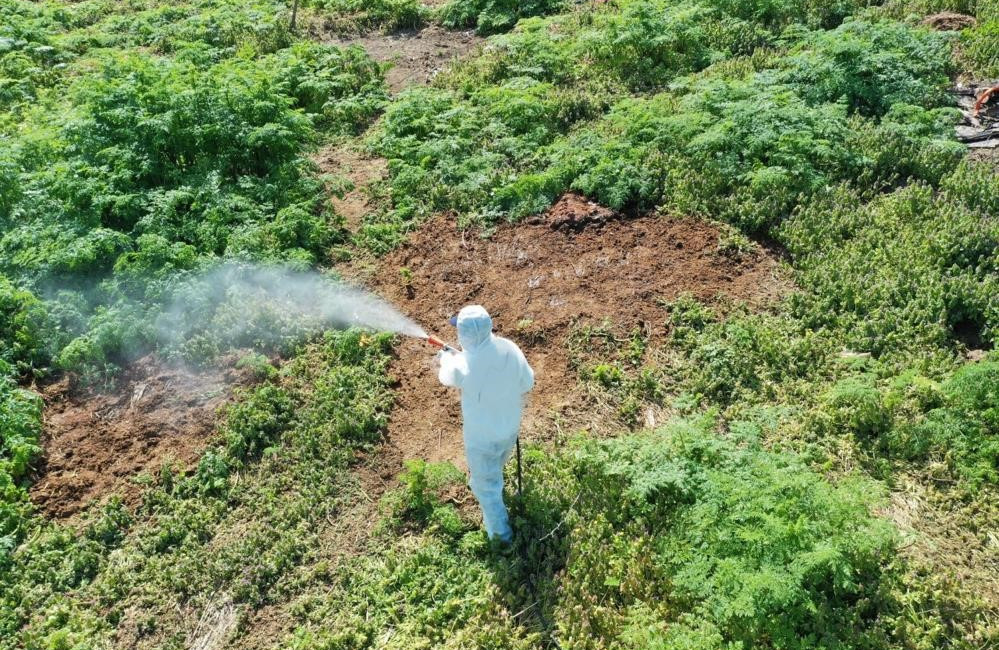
(256,306)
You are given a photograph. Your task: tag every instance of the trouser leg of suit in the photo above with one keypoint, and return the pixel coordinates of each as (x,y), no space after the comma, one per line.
(486,468)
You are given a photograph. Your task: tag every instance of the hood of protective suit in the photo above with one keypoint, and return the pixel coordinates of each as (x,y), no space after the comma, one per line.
(475,326)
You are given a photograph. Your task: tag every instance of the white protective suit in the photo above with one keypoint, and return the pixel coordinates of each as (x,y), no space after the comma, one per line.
(493,377)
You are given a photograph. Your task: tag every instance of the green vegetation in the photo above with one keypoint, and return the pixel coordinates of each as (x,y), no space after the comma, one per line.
(979,52)
(244,523)
(492,16)
(148,166)
(745,148)
(486,16)
(827,473)
(671,542)
(756,549)
(387,15)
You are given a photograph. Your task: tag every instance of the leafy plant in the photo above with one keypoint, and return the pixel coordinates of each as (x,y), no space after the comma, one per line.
(751,544)
(491,16)
(22,320)
(871,66)
(252,425)
(20,429)
(168,164)
(385,14)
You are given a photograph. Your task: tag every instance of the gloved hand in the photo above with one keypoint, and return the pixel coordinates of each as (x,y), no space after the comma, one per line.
(439,357)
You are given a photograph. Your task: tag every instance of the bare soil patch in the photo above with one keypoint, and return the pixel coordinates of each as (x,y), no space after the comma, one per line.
(416,55)
(262,628)
(579,263)
(96,443)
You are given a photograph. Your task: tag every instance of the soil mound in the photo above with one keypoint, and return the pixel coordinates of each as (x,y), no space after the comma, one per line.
(96,443)
(578,263)
(948,21)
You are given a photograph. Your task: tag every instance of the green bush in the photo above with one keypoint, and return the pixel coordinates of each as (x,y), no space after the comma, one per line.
(160,166)
(870,66)
(22,321)
(492,16)
(29,60)
(905,8)
(419,503)
(253,424)
(110,525)
(20,434)
(20,428)
(746,150)
(209,30)
(979,49)
(855,406)
(926,264)
(257,364)
(648,44)
(778,13)
(745,547)
(114,336)
(959,429)
(451,154)
(432,593)
(750,357)
(342,88)
(367,14)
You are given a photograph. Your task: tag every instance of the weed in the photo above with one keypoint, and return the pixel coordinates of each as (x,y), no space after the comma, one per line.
(258,364)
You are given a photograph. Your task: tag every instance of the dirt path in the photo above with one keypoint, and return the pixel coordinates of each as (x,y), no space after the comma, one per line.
(349,161)
(986,156)
(416,55)
(949,21)
(579,263)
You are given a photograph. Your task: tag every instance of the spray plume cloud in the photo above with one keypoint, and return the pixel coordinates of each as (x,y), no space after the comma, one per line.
(247,305)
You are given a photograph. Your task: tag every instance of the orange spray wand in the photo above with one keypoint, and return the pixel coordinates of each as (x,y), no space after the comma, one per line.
(437,343)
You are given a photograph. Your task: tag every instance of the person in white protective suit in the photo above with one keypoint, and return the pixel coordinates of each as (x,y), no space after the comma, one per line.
(493,377)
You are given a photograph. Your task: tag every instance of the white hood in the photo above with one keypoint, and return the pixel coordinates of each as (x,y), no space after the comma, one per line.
(474,327)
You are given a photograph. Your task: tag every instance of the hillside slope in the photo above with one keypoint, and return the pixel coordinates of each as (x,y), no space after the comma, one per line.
(739,240)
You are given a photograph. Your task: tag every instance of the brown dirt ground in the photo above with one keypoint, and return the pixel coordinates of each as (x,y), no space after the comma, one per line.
(987,156)
(948,21)
(96,443)
(578,263)
(416,55)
